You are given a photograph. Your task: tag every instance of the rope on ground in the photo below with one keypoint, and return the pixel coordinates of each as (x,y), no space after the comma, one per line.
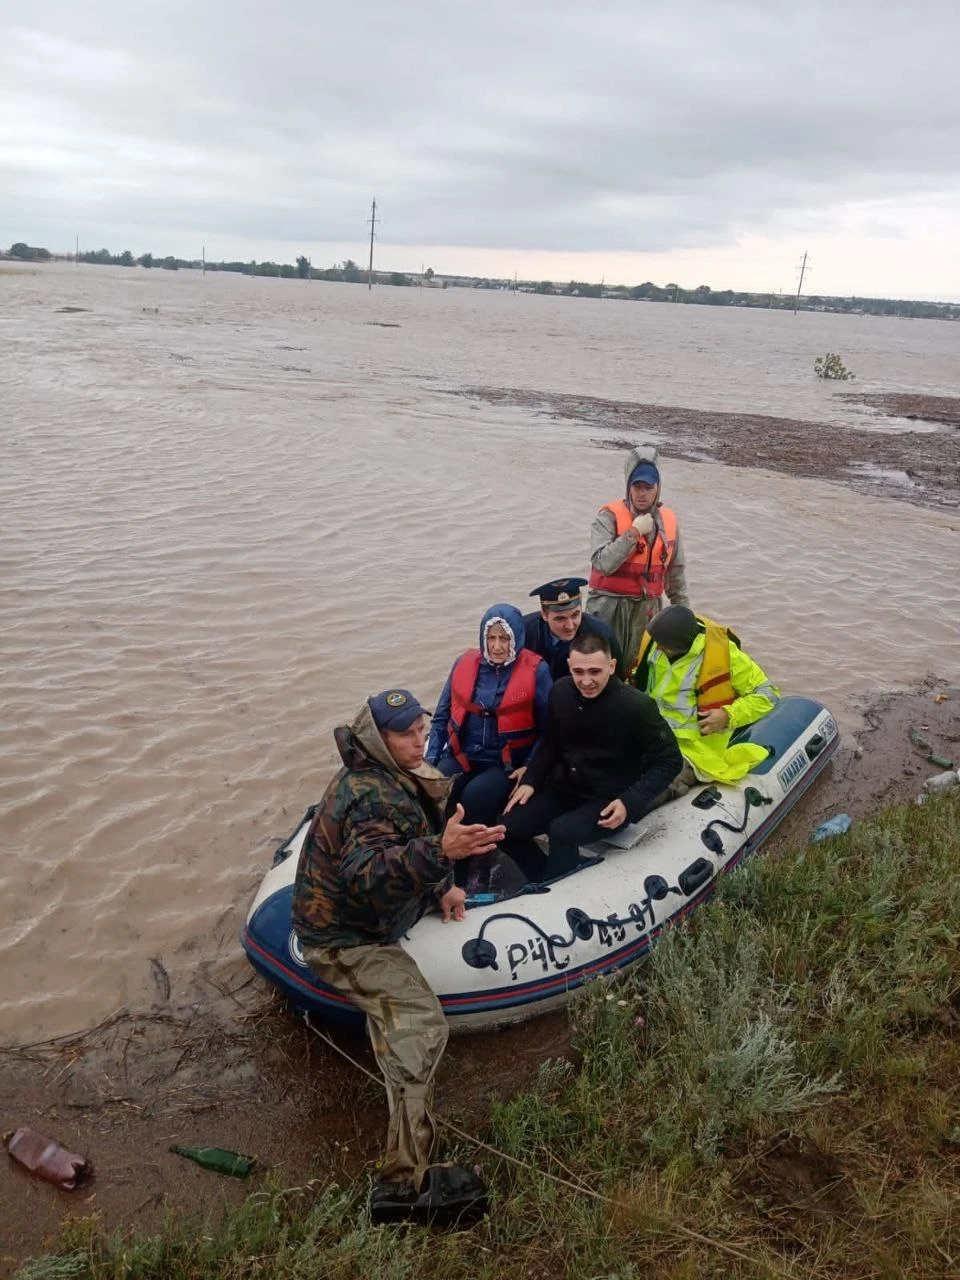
(666,1228)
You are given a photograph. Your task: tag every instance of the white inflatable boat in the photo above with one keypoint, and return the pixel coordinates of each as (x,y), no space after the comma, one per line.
(524,954)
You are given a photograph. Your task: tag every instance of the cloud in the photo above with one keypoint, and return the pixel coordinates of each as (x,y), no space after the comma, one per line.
(542,127)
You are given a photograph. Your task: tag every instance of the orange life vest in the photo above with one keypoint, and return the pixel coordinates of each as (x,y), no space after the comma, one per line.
(516,727)
(644,572)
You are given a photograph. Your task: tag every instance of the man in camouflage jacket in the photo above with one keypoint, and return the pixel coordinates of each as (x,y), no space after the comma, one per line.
(378,854)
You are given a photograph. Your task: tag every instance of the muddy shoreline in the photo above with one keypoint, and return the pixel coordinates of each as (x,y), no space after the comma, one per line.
(238,1069)
(920,467)
(944,410)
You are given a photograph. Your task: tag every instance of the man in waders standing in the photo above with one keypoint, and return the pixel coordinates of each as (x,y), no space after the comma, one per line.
(636,554)
(378,854)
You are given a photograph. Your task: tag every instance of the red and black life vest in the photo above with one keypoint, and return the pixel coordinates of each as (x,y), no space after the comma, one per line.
(516,727)
(644,572)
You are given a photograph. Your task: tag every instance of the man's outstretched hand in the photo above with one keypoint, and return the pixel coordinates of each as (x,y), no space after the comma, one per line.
(465,840)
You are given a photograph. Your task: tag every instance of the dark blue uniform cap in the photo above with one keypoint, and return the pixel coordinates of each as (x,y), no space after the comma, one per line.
(395,709)
(561,593)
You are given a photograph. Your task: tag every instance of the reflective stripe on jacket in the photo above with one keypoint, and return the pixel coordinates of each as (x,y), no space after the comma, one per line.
(644,571)
(674,688)
(516,727)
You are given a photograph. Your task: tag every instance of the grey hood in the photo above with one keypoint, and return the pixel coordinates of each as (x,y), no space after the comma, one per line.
(362,739)
(639,453)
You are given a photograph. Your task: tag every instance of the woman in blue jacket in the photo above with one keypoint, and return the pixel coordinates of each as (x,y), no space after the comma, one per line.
(491,714)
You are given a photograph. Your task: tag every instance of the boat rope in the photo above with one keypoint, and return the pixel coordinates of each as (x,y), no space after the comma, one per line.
(751,797)
(666,1228)
(481,953)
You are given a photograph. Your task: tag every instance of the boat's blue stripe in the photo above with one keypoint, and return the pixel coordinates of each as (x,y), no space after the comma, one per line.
(568,980)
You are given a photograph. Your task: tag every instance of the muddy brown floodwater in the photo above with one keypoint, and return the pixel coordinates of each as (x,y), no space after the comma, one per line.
(245,1072)
(235,507)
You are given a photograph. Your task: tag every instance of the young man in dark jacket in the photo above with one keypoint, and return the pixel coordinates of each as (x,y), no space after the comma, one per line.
(378,854)
(606,756)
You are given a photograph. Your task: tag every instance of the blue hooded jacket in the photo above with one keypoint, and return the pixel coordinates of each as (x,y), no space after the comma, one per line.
(479,738)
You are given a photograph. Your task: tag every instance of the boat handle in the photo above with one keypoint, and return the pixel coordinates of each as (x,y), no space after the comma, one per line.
(697,874)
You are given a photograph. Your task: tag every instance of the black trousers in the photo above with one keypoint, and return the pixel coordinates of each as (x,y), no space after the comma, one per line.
(567,822)
(483,792)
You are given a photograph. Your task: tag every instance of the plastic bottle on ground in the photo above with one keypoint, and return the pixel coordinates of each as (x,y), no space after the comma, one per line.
(835,826)
(47,1159)
(942,781)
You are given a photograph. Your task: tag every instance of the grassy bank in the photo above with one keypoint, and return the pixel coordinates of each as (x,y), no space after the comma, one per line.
(777,1093)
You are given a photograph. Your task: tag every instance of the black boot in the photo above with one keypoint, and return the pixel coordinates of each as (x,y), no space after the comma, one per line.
(450,1197)
(391,1202)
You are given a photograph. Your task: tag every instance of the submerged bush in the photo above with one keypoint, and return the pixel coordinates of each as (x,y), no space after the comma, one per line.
(830,366)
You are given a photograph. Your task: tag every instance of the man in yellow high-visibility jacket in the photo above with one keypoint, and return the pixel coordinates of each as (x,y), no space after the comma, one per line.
(706,687)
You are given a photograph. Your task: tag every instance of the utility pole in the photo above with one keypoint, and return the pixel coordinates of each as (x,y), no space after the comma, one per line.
(373,223)
(76,256)
(803,267)
(203,260)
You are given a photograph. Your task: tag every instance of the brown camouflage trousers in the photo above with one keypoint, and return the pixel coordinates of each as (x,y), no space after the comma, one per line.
(408,1032)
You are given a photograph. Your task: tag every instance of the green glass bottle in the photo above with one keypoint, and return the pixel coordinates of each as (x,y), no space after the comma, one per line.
(219,1160)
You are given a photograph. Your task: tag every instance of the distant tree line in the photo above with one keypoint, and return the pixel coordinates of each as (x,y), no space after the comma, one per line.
(27,253)
(703,295)
(350,273)
(347,271)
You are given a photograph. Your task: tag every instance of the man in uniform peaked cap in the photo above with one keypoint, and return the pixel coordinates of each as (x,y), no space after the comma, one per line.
(636,554)
(551,631)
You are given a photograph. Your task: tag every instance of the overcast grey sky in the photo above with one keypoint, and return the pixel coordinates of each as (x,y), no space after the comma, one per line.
(700,141)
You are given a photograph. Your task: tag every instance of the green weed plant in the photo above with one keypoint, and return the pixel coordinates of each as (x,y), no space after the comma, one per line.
(831,368)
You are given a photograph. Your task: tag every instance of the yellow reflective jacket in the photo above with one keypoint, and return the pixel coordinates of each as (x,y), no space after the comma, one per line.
(732,680)
(714,688)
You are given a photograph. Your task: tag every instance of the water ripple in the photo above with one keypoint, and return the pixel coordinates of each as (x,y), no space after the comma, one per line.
(207,560)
